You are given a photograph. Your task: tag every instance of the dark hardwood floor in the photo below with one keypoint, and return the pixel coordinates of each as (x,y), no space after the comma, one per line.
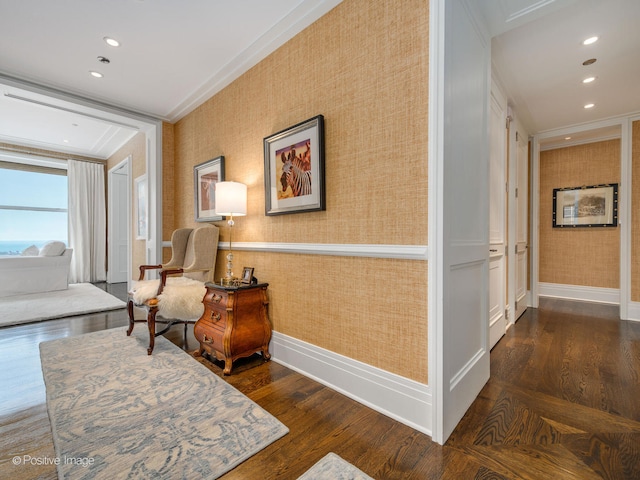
(563,402)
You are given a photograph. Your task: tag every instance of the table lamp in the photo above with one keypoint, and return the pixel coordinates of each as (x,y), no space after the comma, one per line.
(231,199)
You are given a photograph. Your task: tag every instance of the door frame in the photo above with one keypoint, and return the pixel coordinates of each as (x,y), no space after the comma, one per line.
(151,127)
(628,309)
(113,215)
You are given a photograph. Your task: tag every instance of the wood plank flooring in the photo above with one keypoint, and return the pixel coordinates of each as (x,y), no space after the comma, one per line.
(563,402)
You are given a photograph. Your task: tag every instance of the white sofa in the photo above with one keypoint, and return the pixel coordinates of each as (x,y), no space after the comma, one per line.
(45,272)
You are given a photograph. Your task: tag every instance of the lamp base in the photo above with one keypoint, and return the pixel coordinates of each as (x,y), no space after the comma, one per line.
(229,280)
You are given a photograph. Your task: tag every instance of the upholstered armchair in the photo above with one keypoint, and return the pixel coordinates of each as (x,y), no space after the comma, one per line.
(176,297)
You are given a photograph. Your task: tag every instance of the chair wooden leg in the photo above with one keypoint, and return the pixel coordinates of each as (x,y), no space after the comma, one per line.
(131,320)
(151,323)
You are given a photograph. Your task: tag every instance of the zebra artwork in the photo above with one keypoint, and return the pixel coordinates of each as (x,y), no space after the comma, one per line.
(295,174)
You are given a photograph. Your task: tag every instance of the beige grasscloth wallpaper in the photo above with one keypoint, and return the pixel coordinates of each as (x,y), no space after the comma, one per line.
(364,66)
(580,256)
(168,186)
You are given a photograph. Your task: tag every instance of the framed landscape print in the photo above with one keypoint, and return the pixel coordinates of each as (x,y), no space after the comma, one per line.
(294,168)
(206,175)
(588,206)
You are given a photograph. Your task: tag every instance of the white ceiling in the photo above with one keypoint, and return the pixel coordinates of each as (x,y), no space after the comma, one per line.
(540,62)
(176,54)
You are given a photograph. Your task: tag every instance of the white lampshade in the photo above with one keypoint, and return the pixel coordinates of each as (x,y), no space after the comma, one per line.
(231,199)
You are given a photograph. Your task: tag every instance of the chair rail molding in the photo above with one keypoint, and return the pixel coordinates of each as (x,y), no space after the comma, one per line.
(406,252)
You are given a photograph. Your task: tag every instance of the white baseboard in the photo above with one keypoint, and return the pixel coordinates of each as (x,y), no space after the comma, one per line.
(579,292)
(402,399)
(633,311)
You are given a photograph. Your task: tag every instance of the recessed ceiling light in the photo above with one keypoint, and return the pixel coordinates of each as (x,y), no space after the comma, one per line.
(590,40)
(96,74)
(567,138)
(111,41)
(590,105)
(588,80)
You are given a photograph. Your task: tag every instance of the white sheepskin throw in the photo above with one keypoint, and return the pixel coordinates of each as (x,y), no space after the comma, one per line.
(181,297)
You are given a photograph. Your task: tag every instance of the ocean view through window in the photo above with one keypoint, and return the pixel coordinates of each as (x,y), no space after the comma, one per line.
(33,209)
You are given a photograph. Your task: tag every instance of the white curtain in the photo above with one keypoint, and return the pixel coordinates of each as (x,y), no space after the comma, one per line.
(87,221)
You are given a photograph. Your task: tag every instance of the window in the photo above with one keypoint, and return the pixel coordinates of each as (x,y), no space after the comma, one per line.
(33,209)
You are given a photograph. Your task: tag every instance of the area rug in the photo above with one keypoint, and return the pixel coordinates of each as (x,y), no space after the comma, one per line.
(333,467)
(117,412)
(78,299)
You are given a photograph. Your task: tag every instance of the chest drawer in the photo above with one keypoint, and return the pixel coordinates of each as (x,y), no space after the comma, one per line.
(216,299)
(215,316)
(210,333)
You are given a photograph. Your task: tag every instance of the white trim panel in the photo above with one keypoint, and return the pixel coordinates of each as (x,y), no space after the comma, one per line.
(400,398)
(579,292)
(633,312)
(406,252)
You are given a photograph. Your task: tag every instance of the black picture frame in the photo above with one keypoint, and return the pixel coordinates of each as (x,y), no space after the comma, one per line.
(294,168)
(205,176)
(586,206)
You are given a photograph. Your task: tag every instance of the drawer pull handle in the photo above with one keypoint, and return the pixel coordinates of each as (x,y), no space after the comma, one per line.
(217,298)
(215,316)
(207,340)
(493,250)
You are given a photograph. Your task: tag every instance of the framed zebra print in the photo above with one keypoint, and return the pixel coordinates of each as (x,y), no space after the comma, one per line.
(294,168)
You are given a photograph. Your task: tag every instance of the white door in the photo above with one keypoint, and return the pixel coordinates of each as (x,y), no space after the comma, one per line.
(497,217)
(458,211)
(119,214)
(522,230)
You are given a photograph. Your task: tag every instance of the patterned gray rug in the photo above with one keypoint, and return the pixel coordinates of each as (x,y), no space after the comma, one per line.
(117,412)
(332,467)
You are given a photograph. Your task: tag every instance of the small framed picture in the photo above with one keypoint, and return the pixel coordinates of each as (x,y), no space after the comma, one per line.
(294,169)
(206,175)
(247,275)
